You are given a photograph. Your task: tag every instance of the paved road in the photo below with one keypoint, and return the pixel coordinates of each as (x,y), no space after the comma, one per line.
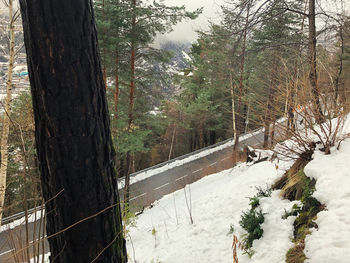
(15,239)
(145,192)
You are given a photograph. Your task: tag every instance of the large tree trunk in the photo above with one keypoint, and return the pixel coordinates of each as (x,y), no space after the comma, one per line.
(7,111)
(76,156)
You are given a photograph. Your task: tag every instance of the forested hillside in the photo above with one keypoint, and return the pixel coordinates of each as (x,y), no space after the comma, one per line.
(107,100)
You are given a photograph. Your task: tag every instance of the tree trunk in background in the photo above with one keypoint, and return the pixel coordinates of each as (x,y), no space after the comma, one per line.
(312,62)
(292,98)
(272,99)
(131,102)
(340,67)
(239,117)
(74,145)
(104,48)
(233,108)
(269,114)
(172,142)
(116,90)
(7,110)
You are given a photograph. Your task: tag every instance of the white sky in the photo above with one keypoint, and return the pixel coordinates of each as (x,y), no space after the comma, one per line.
(185,31)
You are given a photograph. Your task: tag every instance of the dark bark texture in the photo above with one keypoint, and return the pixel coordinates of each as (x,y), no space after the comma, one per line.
(72,131)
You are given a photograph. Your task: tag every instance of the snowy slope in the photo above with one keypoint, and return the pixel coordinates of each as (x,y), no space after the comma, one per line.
(217,202)
(331,242)
(164,233)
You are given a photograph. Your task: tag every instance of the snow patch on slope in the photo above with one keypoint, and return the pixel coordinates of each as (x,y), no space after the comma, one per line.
(278,232)
(331,241)
(217,202)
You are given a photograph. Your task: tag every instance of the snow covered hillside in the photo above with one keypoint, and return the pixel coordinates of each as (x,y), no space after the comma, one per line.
(164,233)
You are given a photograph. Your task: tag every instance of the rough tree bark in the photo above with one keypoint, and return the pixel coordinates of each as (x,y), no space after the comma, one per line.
(72,131)
(7,109)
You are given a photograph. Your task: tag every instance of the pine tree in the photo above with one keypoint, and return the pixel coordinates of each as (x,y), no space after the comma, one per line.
(74,146)
(132,27)
(276,39)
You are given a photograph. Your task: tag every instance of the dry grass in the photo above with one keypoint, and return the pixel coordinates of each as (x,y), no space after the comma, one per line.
(296,254)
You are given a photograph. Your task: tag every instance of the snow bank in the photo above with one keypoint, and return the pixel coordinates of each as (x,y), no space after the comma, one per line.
(46,259)
(278,232)
(331,242)
(217,202)
(31,218)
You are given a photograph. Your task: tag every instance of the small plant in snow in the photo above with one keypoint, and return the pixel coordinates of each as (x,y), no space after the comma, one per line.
(252,219)
(263,192)
(255,200)
(154,234)
(189,203)
(250,222)
(294,211)
(129,220)
(231,231)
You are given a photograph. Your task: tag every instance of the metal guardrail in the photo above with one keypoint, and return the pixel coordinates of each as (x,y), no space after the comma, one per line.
(187,155)
(14,217)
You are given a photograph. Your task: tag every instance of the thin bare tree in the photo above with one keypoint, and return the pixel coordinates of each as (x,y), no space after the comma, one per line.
(12,17)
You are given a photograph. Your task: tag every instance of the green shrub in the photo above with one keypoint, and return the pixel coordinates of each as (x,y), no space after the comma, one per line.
(251,221)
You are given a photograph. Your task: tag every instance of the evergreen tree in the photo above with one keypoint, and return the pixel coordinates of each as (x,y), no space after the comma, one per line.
(73,138)
(277,38)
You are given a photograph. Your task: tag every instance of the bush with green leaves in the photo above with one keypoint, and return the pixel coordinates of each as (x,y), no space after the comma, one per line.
(252,219)
(251,222)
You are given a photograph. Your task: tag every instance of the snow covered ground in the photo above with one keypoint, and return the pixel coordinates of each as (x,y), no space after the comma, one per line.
(331,242)
(164,232)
